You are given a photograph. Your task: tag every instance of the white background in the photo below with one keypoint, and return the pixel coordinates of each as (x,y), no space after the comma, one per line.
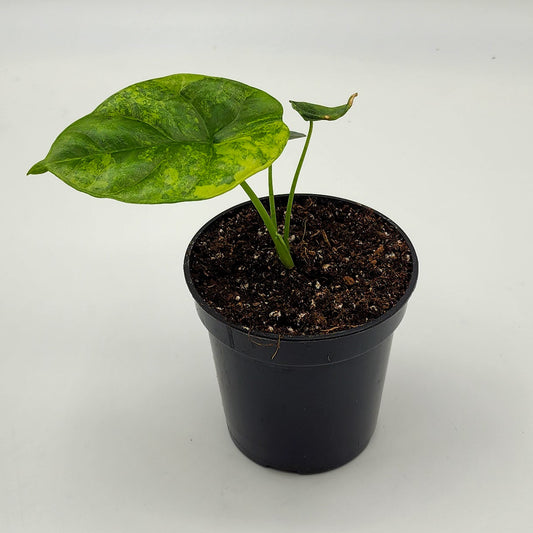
(110,416)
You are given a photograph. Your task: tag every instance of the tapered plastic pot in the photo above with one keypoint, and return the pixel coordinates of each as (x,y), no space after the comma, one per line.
(303,404)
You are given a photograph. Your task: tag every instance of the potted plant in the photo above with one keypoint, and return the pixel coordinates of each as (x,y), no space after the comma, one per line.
(300,302)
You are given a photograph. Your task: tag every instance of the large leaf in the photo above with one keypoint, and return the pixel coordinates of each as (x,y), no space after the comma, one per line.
(171,139)
(312,112)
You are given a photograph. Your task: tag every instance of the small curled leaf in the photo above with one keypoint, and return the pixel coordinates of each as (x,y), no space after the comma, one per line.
(312,112)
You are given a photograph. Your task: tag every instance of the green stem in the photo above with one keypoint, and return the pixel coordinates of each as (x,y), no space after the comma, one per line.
(281,246)
(271,199)
(287,228)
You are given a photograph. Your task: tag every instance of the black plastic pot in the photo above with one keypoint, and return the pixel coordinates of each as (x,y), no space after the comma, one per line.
(314,406)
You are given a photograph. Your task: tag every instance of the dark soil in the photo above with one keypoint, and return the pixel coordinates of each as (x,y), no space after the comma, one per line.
(350,267)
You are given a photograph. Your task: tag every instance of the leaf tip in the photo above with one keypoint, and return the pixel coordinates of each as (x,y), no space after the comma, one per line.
(351,99)
(38,168)
(295,135)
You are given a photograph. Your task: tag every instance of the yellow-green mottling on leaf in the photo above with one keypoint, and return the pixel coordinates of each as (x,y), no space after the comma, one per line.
(172,139)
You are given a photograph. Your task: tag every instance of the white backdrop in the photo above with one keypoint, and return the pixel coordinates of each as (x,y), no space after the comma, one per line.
(109,408)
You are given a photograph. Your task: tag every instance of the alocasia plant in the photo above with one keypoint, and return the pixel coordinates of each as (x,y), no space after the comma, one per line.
(180,138)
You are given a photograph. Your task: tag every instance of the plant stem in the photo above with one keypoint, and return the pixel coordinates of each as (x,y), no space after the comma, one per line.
(287,228)
(281,246)
(271,199)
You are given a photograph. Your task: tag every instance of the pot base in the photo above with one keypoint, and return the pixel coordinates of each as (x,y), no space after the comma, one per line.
(303,468)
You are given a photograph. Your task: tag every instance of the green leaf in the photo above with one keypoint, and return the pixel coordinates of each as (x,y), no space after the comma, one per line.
(319,112)
(172,139)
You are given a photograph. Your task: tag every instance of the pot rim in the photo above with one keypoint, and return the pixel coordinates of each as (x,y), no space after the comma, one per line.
(299,338)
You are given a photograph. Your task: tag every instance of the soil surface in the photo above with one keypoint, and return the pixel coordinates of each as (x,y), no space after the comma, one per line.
(350,267)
